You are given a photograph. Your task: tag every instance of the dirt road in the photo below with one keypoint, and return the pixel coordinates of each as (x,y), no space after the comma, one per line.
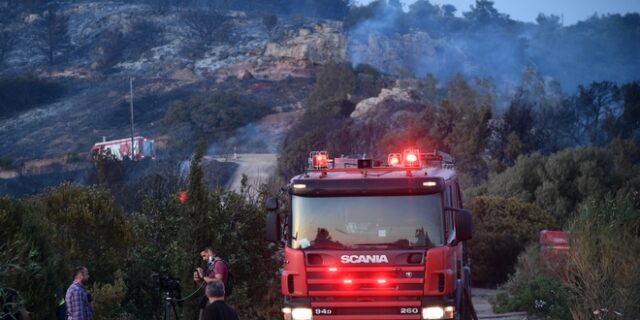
(485,310)
(258,167)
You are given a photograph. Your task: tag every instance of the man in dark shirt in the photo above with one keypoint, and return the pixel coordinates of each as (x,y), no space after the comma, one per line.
(217,309)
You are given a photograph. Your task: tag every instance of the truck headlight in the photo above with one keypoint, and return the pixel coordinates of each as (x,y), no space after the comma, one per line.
(286,313)
(433,313)
(437,312)
(301,314)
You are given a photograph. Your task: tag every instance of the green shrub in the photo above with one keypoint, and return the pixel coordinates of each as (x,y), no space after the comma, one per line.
(28,261)
(107,298)
(503,227)
(604,264)
(560,182)
(537,287)
(325,114)
(541,296)
(211,117)
(88,229)
(366,68)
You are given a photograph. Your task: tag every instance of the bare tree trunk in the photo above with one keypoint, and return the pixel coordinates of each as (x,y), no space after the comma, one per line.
(53,35)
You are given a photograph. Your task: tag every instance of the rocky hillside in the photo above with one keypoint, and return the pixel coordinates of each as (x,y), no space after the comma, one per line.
(169,57)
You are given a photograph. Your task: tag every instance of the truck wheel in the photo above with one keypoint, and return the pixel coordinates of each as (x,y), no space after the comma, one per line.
(465,313)
(465,304)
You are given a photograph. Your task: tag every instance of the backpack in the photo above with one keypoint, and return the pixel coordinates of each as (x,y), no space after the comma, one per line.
(228,286)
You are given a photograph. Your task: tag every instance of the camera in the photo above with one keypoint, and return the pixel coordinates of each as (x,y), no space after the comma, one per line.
(166,282)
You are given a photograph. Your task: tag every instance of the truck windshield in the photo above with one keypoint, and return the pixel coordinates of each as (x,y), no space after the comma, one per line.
(361,222)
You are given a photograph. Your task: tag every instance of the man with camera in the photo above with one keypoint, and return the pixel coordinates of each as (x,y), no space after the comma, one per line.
(216,270)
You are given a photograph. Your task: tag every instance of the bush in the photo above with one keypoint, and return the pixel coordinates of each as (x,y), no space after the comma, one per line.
(28,261)
(6,163)
(326,111)
(560,182)
(543,297)
(503,227)
(207,25)
(536,287)
(26,92)
(117,46)
(366,68)
(107,298)
(270,21)
(88,229)
(604,264)
(211,117)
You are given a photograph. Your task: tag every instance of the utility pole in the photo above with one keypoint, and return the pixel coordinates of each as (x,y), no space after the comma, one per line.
(131,110)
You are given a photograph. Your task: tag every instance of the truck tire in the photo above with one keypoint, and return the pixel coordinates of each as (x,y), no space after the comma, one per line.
(465,304)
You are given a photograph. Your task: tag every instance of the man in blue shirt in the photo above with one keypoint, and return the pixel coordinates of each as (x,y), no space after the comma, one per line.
(78,307)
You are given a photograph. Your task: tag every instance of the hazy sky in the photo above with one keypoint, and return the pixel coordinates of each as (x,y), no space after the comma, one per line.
(527,10)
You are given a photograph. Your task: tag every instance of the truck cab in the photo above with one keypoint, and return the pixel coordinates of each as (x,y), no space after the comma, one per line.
(366,239)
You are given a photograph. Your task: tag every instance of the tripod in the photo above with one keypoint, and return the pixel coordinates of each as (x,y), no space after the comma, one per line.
(169,304)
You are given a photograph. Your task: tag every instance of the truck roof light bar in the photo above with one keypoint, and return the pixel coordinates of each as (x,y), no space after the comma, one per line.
(393,159)
(319,159)
(412,158)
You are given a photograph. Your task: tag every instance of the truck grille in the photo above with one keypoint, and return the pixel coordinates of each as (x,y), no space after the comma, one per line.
(366,281)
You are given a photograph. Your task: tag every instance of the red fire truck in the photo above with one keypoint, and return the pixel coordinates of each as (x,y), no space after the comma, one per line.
(365,239)
(554,244)
(143,148)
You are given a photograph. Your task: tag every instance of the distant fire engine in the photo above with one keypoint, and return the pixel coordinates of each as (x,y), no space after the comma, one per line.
(365,239)
(143,148)
(554,244)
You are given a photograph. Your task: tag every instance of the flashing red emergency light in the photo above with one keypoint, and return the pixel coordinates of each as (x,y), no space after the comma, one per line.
(319,159)
(412,158)
(182,197)
(333,269)
(393,159)
(382,281)
(348,281)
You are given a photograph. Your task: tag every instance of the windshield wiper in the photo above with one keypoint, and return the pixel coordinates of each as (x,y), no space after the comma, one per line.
(386,244)
(326,246)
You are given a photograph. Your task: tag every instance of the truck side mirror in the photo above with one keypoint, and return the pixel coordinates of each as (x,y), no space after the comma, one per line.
(273,227)
(464,225)
(271,204)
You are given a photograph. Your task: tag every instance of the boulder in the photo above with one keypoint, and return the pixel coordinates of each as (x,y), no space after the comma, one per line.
(315,47)
(368,106)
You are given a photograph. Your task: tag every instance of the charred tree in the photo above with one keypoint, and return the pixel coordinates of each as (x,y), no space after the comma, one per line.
(53,33)
(7,40)
(208,25)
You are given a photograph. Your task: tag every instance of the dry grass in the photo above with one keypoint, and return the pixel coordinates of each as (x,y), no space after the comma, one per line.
(604,261)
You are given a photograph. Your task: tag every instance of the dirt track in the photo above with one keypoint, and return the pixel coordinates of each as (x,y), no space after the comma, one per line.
(258,167)
(485,310)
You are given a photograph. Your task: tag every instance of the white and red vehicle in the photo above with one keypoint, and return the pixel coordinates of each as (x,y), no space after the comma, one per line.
(121,149)
(366,239)
(554,244)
